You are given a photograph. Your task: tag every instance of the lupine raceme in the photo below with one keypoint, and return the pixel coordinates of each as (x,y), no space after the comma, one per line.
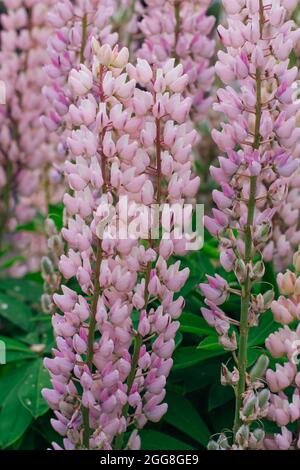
(258,139)
(27,152)
(108,371)
(284,381)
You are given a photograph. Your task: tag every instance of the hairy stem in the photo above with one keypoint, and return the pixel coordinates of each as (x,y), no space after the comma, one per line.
(134,363)
(177,28)
(91,336)
(83,38)
(247,285)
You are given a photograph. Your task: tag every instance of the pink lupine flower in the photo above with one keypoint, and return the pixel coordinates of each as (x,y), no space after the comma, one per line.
(117,274)
(259,138)
(27,151)
(181,30)
(284,343)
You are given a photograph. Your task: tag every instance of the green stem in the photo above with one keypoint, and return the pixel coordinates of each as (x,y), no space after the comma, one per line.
(177,28)
(91,337)
(247,285)
(83,38)
(134,364)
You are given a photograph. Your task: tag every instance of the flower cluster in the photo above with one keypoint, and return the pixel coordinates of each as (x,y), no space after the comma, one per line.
(284,381)
(258,138)
(115,339)
(26,151)
(74,24)
(181,29)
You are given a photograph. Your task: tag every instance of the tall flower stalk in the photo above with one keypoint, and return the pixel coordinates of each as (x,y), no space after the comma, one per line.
(283,345)
(181,29)
(109,371)
(257,137)
(26,151)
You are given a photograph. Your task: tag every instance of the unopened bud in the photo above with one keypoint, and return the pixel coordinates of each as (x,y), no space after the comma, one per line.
(50,227)
(296,261)
(240,270)
(259,368)
(242,436)
(212,445)
(263,397)
(257,271)
(262,232)
(46,303)
(259,434)
(249,407)
(268,298)
(55,244)
(46,267)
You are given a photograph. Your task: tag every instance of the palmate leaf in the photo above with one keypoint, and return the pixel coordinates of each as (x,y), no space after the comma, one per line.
(183,416)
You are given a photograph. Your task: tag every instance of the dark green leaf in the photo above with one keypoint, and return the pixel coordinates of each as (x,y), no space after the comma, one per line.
(15,311)
(155,440)
(259,334)
(30,392)
(211,343)
(22,289)
(14,418)
(190,323)
(219,395)
(183,416)
(190,355)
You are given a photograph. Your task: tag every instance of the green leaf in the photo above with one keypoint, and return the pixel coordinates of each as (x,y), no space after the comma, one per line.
(259,334)
(14,418)
(15,311)
(22,289)
(219,395)
(183,416)
(15,350)
(55,212)
(211,343)
(190,285)
(30,392)
(253,355)
(11,261)
(178,339)
(189,355)
(190,323)
(199,376)
(155,440)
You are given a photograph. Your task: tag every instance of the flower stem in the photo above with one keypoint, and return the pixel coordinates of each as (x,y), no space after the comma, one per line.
(91,335)
(83,38)
(177,28)
(247,285)
(134,363)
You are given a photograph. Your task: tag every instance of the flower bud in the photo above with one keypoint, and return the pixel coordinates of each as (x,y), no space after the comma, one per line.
(259,368)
